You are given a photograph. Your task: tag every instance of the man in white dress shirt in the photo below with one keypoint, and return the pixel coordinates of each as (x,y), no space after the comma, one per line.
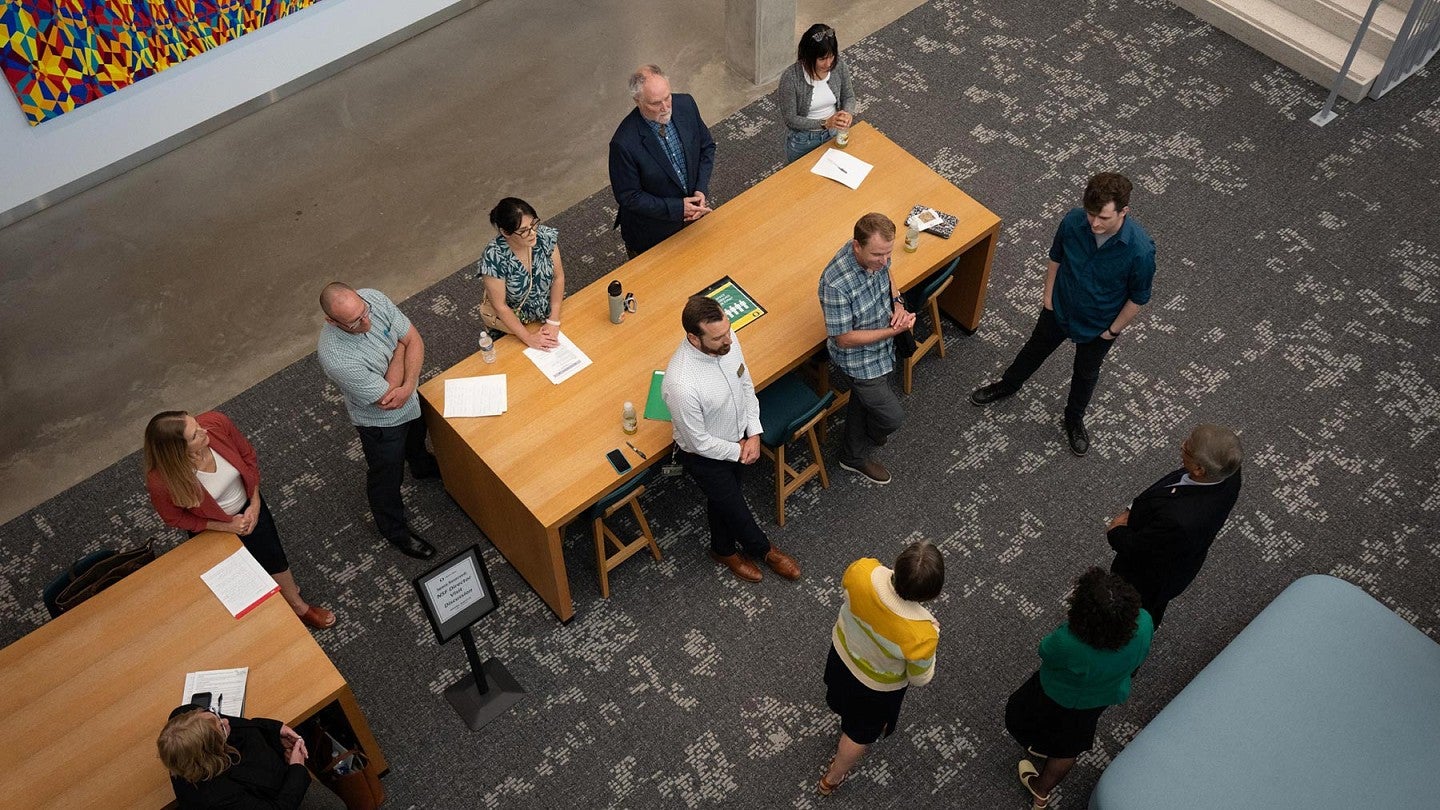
(717,433)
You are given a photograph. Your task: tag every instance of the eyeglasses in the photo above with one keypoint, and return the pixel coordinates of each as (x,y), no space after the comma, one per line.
(823,34)
(527,230)
(355,324)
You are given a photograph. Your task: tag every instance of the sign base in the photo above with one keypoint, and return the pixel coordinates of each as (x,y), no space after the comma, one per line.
(478,708)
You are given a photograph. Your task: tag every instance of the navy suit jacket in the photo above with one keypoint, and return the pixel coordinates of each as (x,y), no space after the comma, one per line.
(650,196)
(1169,533)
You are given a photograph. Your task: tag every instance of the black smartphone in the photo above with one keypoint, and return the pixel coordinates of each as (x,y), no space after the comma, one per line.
(618,461)
(201,699)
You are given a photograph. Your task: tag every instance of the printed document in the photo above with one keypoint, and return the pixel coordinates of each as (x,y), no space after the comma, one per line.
(226,688)
(475,396)
(842,167)
(240,583)
(560,363)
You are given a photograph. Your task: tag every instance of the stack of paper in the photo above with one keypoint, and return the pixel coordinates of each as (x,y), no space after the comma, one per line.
(842,167)
(240,583)
(476,396)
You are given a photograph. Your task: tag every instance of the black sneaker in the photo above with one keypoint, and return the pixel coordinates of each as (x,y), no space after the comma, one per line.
(1078,436)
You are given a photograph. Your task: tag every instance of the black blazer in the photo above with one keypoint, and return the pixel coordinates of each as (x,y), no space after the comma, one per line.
(261,780)
(1170,531)
(650,196)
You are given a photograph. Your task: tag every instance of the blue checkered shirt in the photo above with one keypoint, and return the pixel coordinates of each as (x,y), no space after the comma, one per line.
(853,298)
(673,148)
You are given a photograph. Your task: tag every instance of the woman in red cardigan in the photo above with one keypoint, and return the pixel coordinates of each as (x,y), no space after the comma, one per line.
(202,475)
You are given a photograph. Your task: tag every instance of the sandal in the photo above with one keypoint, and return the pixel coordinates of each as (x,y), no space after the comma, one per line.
(318,618)
(1028,772)
(825,788)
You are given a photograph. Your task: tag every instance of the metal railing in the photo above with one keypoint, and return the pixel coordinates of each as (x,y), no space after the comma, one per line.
(1415,43)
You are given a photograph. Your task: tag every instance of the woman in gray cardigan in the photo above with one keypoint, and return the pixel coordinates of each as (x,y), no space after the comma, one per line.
(816,98)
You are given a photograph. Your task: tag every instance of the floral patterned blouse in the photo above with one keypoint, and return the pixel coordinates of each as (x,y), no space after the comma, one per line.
(500,262)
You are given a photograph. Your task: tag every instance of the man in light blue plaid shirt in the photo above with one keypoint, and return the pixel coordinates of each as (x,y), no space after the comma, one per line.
(863,313)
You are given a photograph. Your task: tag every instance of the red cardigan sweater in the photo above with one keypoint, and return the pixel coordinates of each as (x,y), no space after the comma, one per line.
(226,440)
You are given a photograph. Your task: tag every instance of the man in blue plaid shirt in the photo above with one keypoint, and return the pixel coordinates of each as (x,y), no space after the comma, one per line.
(863,314)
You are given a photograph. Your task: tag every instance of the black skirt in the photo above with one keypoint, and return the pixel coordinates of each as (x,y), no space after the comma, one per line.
(263,542)
(1046,727)
(866,714)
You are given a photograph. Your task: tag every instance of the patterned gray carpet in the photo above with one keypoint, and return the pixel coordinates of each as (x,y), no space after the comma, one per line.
(1296,300)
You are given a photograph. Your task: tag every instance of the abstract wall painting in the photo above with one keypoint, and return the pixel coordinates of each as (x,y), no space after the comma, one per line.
(60,54)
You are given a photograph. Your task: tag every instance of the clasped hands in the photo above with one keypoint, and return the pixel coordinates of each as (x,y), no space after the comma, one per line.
(244,523)
(545,338)
(840,120)
(749,449)
(294,745)
(695,207)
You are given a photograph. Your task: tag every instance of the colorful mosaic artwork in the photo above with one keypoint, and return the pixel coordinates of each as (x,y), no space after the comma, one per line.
(59,54)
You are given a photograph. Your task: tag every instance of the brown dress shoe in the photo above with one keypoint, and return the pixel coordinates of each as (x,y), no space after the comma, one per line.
(740,567)
(782,564)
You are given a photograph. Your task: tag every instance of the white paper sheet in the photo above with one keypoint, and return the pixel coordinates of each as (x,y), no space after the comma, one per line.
(226,688)
(476,396)
(560,363)
(240,583)
(842,167)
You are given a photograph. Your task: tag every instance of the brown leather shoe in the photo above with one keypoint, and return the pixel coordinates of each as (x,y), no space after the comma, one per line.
(740,567)
(782,564)
(871,469)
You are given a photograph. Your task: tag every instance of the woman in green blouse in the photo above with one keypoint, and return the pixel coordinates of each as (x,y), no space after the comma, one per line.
(1085,666)
(523,276)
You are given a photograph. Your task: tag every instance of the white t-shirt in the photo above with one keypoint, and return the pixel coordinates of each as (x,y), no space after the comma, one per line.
(224,485)
(822,99)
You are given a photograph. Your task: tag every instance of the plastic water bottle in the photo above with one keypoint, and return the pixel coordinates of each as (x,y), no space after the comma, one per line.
(912,236)
(487,347)
(628,421)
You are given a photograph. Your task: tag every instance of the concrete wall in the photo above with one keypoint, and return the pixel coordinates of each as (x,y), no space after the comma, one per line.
(44,164)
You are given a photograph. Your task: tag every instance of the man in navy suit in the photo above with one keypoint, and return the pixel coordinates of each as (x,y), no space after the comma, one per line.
(661,157)
(1161,541)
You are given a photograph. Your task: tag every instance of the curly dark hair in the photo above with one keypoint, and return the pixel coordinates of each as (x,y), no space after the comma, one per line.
(1107,187)
(1104,609)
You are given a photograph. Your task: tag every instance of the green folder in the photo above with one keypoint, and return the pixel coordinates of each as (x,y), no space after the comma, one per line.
(655,407)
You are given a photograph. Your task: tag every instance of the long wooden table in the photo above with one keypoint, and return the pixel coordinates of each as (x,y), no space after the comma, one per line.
(83,698)
(523,475)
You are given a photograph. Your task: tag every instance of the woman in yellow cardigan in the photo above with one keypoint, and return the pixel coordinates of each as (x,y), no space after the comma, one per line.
(884,641)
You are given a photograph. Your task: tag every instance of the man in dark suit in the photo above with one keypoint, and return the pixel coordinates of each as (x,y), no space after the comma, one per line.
(1161,541)
(661,157)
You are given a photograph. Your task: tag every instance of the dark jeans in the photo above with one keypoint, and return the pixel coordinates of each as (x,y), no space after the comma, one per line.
(873,414)
(1046,338)
(387,449)
(732,526)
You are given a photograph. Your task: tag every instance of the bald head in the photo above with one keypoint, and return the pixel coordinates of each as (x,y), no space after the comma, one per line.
(344,308)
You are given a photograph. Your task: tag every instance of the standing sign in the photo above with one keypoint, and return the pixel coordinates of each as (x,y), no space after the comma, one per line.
(456,594)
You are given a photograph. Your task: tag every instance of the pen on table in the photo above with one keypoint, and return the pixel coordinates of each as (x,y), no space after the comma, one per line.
(637,451)
(220,703)
(838,166)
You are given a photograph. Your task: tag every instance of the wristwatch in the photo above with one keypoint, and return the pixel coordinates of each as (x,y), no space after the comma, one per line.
(899,299)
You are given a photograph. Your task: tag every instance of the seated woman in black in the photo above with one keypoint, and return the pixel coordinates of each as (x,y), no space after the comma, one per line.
(230,762)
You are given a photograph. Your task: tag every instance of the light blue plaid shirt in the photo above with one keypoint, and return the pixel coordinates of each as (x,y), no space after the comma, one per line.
(854,298)
(673,148)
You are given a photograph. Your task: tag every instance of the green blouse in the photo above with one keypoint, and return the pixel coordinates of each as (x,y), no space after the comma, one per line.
(500,262)
(1078,676)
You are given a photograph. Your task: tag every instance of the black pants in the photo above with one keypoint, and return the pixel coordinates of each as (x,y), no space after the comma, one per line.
(1046,338)
(387,449)
(732,526)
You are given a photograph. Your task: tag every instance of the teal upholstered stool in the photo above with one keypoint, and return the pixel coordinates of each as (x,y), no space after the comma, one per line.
(788,409)
(627,494)
(927,296)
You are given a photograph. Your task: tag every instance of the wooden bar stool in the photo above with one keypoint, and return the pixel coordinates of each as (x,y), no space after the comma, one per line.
(928,294)
(628,494)
(788,409)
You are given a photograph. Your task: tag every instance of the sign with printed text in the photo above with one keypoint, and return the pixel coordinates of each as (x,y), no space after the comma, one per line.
(739,307)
